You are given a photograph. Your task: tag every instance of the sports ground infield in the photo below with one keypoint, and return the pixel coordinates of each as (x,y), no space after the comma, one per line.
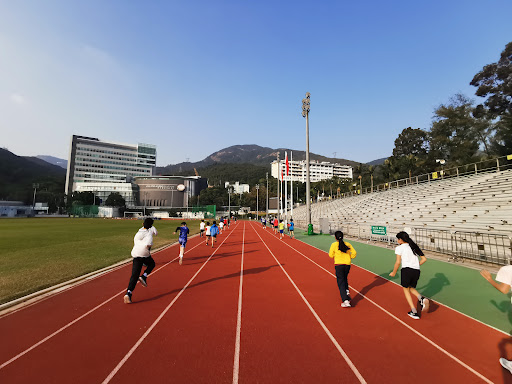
(257,309)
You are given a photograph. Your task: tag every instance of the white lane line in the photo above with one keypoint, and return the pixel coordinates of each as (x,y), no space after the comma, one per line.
(329,334)
(236,364)
(78,319)
(403,323)
(155,323)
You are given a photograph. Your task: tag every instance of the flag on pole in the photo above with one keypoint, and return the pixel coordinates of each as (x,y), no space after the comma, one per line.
(287,165)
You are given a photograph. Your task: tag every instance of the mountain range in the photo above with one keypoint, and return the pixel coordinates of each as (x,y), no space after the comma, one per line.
(246,154)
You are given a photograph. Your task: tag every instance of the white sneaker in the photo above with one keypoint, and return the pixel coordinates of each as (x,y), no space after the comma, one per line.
(424,302)
(507,364)
(346,304)
(181,260)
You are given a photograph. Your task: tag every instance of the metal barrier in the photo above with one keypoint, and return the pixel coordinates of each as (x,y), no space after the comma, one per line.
(459,245)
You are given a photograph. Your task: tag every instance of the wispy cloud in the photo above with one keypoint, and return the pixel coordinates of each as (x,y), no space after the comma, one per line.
(18,99)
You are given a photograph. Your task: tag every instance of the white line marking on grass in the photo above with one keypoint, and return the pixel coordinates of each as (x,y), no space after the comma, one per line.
(404,324)
(155,323)
(77,319)
(236,364)
(329,334)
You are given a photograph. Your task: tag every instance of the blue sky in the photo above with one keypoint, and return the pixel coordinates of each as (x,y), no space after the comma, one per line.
(193,77)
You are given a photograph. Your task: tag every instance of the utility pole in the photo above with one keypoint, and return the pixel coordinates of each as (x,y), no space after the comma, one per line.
(35,186)
(266,214)
(257,201)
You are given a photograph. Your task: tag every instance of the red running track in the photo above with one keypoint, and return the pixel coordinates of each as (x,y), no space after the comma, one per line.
(254,309)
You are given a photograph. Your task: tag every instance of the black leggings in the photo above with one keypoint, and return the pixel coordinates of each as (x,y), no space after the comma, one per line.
(342,271)
(138,262)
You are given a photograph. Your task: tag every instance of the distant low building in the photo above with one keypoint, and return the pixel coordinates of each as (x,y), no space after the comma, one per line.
(237,187)
(15,209)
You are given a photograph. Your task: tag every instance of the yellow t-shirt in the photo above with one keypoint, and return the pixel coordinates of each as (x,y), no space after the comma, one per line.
(341,257)
(281,226)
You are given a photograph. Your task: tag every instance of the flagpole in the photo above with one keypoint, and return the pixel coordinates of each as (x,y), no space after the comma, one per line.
(291,186)
(278,177)
(286,192)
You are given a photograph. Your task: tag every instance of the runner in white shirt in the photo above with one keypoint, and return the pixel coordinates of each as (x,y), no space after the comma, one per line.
(207,230)
(202,225)
(407,254)
(141,254)
(503,283)
(221,225)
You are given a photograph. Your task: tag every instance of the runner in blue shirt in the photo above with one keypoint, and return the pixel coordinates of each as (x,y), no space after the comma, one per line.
(291,227)
(182,239)
(214,231)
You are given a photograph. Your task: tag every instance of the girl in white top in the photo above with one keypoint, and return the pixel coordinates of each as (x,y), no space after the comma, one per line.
(207,230)
(407,254)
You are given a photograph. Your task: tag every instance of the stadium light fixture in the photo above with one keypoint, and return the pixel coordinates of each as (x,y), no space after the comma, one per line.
(306,106)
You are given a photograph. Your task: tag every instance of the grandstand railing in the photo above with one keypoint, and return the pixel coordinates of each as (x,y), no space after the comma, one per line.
(485,166)
(459,245)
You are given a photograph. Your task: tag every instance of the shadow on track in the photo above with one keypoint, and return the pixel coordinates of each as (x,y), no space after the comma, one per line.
(251,271)
(378,280)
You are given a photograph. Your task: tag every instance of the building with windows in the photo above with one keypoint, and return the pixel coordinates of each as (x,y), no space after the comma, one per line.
(317,170)
(104,167)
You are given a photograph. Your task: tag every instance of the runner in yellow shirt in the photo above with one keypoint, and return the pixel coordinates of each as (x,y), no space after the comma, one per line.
(342,253)
(281,229)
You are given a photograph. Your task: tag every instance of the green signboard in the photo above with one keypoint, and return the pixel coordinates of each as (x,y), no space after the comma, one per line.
(378,230)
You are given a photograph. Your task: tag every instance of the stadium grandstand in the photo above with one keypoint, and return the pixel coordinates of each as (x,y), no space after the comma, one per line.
(465,216)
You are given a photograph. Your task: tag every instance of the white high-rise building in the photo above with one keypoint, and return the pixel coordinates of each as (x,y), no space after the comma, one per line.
(317,170)
(104,167)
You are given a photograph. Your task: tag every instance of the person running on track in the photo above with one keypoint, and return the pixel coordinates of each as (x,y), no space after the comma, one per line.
(291,229)
(182,239)
(407,254)
(214,231)
(142,242)
(207,232)
(221,225)
(342,253)
(503,283)
(281,229)
(276,224)
(201,228)
(264,222)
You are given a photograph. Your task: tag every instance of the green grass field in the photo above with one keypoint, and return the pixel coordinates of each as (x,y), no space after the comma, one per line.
(38,253)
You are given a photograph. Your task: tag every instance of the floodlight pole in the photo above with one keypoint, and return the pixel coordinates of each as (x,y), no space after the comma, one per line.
(305,113)
(35,186)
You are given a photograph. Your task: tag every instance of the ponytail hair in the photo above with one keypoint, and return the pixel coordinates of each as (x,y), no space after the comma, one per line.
(342,246)
(405,237)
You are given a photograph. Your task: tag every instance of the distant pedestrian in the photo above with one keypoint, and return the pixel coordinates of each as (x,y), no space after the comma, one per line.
(214,231)
(201,228)
(264,223)
(342,253)
(142,242)
(503,283)
(407,254)
(276,224)
(182,239)
(291,229)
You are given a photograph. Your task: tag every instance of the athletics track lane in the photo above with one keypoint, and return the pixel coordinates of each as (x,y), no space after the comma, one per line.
(380,345)
(194,341)
(281,341)
(88,350)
